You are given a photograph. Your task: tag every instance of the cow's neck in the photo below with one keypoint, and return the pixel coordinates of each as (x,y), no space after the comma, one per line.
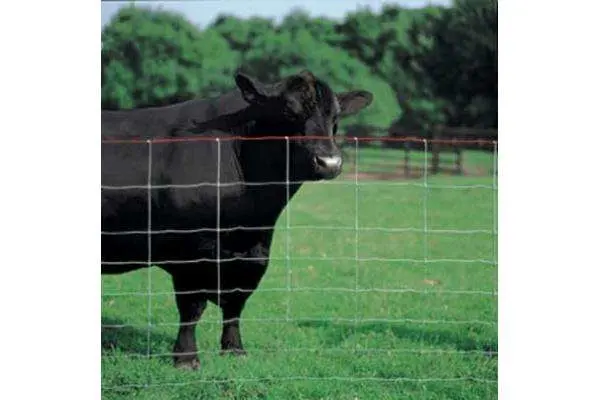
(228,114)
(260,162)
(264,167)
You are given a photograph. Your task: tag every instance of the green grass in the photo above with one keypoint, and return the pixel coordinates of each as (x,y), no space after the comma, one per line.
(432,335)
(373,159)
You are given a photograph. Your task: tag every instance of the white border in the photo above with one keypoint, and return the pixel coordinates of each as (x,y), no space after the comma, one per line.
(548,201)
(50,285)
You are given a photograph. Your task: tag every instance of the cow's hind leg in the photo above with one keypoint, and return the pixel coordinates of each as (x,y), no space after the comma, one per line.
(191,305)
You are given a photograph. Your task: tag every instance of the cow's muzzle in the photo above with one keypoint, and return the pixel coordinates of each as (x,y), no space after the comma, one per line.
(328,167)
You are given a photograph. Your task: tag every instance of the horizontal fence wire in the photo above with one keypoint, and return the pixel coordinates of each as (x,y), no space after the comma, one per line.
(254,184)
(304,227)
(355,180)
(309,290)
(323,319)
(361,259)
(350,379)
(489,353)
(347,139)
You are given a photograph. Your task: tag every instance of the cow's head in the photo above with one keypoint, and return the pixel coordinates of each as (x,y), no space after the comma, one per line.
(303,105)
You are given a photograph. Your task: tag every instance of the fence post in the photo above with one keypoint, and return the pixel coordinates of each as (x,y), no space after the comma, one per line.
(435,151)
(459,158)
(406,159)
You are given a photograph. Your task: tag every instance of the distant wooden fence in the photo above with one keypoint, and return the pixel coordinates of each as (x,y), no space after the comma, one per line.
(456,140)
(439,140)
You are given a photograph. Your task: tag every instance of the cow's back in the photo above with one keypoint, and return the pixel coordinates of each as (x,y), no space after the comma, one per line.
(188,181)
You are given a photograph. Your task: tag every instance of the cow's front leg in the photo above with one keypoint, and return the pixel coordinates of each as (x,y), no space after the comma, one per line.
(231,338)
(239,279)
(191,306)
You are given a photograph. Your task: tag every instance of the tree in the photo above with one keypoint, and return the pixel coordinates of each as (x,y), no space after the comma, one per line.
(458,61)
(240,34)
(382,41)
(323,29)
(153,57)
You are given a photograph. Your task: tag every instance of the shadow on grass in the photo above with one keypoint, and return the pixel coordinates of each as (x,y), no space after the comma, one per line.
(463,338)
(117,336)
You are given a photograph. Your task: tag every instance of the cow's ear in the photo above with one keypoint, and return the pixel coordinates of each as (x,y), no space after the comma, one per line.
(253,91)
(353,102)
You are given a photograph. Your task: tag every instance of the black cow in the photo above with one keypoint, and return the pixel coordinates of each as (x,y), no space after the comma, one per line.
(214,202)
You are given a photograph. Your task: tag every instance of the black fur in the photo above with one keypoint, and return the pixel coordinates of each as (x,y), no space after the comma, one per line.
(257,109)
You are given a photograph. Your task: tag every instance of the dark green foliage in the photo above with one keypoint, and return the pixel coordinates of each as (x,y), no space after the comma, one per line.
(241,34)
(383,43)
(321,28)
(459,64)
(157,58)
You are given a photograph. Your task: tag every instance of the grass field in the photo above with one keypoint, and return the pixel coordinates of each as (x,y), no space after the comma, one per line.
(376,313)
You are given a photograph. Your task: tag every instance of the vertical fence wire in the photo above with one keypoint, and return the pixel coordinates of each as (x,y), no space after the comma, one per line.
(149,254)
(425,198)
(356,238)
(287,231)
(218,244)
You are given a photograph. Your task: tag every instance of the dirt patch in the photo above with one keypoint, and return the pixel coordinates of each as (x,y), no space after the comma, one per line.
(400,173)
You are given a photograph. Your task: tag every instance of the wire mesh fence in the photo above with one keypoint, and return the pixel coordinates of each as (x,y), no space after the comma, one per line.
(374,266)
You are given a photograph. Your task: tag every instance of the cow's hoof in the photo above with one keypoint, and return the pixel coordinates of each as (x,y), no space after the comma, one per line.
(234,352)
(187,364)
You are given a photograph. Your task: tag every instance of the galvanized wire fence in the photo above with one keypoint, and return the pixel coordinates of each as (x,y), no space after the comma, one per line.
(383,167)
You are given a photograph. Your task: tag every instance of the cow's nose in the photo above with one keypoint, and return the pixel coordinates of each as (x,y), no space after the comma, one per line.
(328,167)
(329,162)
